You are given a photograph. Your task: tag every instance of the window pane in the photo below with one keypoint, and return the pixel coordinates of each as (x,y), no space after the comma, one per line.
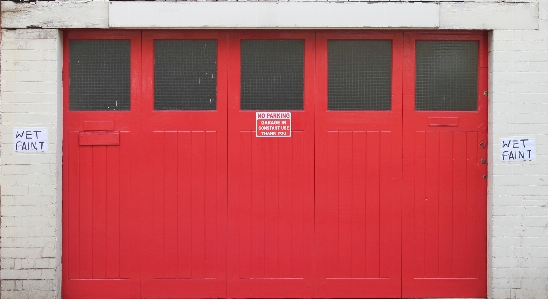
(359,75)
(99,75)
(447,75)
(272,74)
(185,74)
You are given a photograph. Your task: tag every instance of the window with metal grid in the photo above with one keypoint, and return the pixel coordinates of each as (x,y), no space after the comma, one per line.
(272,74)
(446,75)
(185,74)
(99,75)
(359,74)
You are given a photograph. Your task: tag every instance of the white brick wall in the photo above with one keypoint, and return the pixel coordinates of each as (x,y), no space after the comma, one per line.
(31,231)
(518,95)
(518,192)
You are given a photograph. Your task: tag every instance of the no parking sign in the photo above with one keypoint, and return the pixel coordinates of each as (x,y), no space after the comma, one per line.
(273,124)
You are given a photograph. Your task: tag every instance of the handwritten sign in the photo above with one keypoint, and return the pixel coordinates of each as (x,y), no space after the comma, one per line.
(30,140)
(517,149)
(273,124)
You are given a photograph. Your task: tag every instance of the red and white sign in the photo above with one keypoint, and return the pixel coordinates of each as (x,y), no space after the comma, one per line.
(273,124)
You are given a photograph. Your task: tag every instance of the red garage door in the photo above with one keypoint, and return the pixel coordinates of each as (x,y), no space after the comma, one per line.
(444,173)
(377,190)
(184,134)
(101,165)
(358,164)
(271,180)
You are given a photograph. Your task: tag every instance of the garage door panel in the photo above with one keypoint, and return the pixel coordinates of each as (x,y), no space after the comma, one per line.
(445,192)
(271,180)
(185,189)
(99,170)
(357,234)
(184,144)
(271,206)
(358,224)
(274,212)
(185,251)
(357,165)
(444,158)
(97,216)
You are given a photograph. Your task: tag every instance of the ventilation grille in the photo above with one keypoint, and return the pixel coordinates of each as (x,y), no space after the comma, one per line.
(272,74)
(99,75)
(185,74)
(359,75)
(447,75)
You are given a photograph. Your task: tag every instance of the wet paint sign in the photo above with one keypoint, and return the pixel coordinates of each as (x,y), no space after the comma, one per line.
(273,124)
(30,140)
(517,149)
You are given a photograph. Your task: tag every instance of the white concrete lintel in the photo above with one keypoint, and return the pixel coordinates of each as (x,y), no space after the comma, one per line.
(52,15)
(273,15)
(292,15)
(489,15)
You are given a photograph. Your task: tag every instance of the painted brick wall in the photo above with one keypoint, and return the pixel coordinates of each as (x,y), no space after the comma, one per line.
(0,142)
(518,192)
(30,199)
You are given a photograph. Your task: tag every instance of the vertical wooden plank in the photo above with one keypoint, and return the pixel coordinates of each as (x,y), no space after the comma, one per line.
(127,204)
(285,207)
(245,200)
(272,188)
(388,187)
(258,161)
(113,212)
(372,193)
(211,236)
(459,204)
(419,199)
(332,219)
(298,246)
(431,204)
(473,247)
(86,212)
(358,203)
(445,205)
(73,200)
(198,204)
(184,234)
(170,204)
(99,211)
(321,212)
(220,204)
(159,205)
(345,204)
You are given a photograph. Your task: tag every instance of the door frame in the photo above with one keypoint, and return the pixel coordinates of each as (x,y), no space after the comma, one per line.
(136,105)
